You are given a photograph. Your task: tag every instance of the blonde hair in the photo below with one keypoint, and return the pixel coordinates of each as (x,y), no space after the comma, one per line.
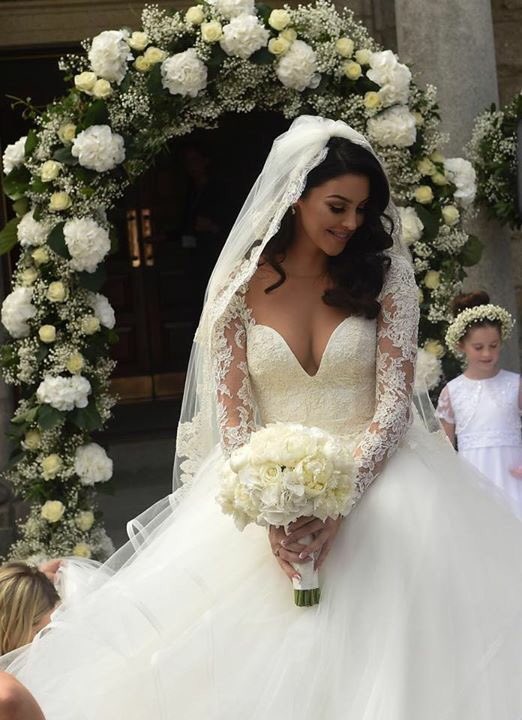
(26,595)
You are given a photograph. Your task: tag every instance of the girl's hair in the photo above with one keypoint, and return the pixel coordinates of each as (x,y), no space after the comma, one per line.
(26,594)
(473,299)
(359,270)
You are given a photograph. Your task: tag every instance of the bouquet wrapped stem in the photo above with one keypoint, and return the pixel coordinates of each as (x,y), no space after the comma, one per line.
(306,590)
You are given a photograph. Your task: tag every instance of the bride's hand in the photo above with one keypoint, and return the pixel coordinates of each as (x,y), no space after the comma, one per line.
(323,534)
(287,554)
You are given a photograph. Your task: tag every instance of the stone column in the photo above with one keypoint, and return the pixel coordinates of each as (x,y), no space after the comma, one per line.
(450,44)
(6,399)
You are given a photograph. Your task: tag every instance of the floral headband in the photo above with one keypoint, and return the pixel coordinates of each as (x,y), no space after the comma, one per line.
(479,313)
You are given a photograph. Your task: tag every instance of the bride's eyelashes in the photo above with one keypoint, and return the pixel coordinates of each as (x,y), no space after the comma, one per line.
(338,209)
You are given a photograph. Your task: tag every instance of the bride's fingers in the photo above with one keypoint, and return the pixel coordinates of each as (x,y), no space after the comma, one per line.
(315,526)
(287,568)
(293,557)
(299,523)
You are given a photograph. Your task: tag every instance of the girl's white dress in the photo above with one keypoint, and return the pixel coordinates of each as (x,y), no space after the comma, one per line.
(486,415)
(421,609)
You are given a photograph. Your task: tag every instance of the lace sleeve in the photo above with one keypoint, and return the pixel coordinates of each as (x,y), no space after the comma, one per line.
(235,403)
(444,408)
(397,326)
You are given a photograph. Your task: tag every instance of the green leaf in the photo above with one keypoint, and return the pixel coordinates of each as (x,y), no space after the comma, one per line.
(8,236)
(26,417)
(30,143)
(16,183)
(154,80)
(38,212)
(56,242)
(16,456)
(49,417)
(65,156)
(471,252)
(96,114)
(21,206)
(262,57)
(429,220)
(93,281)
(38,185)
(87,418)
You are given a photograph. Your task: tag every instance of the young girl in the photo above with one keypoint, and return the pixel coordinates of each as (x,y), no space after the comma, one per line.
(481,408)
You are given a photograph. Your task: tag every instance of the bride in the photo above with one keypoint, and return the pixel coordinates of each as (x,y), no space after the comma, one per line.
(310,316)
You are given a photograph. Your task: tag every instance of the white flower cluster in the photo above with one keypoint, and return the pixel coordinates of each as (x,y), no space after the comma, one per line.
(109,55)
(243,35)
(184,74)
(287,471)
(88,243)
(479,313)
(17,309)
(92,465)
(297,69)
(412,227)
(32,232)
(393,77)
(64,393)
(103,310)
(232,8)
(394,126)
(462,174)
(98,148)
(14,155)
(428,370)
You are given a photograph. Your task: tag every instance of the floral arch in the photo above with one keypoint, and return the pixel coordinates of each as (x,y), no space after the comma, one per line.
(130,94)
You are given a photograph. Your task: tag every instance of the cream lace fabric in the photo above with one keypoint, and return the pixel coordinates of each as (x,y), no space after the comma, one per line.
(362,389)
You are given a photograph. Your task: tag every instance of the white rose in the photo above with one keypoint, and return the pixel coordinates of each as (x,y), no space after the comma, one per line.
(462,174)
(81,549)
(424,194)
(195,15)
(437,157)
(60,201)
(64,393)
(17,309)
(278,46)
(243,36)
(412,227)
(184,74)
(279,19)
(57,291)
(40,256)
(32,232)
(32,440)
(434,347)
(419,119)
(92,465)
(28,276)
(47,333)
(426,167)
(392,76)
(394,126)
(67,132)
(98,148)
(14,155)
(142,64)
(344,47)
(138,41)
(450,214)
(85,81)
(297,69)
(52,510)
(439,179)
(109,55)
(75,363)
(154,55)
(50,170)
(51,466)
(88,243)
(428,371)
(89,324)
(363,56)
(372,100)
(102,309)
(102,89)
(352,70)
(432,279)
(289,34)
(211,31)
(233,8)
(84,520)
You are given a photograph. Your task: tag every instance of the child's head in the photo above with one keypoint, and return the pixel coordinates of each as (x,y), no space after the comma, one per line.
(27,598)
(478,330)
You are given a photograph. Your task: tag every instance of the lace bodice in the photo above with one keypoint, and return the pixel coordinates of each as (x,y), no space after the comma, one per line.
(486,413)
(362,388)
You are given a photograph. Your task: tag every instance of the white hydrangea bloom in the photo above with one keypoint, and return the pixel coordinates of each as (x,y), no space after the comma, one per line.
(232,8)
(412,227)
(428,371)
(14,155)
(184,74)
(32,232)
(297,69)
(87,242)
(102,542)
(64,393)
(394,126)
(17,309)
(98,148)
(109,55)
(462,174)
(92,465)
(102,309)
(244,35)
(393,77)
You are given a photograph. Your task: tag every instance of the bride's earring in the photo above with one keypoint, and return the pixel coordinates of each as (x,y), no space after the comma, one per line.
(292,209)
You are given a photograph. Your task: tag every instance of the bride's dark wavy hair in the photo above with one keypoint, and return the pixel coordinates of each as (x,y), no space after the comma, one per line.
(359,270)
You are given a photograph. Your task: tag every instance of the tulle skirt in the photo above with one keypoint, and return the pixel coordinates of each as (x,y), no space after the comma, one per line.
(500,465)
(420,616)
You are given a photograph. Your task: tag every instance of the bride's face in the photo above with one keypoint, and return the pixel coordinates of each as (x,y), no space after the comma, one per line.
(329,214)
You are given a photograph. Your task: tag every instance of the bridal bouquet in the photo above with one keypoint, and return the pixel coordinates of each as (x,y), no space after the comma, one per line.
(287,471)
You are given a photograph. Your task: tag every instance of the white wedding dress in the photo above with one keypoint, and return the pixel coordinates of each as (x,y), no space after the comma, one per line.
(421,610)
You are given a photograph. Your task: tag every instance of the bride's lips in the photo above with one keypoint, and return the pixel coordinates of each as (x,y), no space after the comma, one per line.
(340,235)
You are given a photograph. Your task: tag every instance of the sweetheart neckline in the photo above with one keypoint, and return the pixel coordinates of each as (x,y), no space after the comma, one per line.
(294,356)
